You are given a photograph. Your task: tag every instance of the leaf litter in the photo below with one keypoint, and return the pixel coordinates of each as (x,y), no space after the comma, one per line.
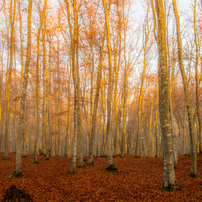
(136,179)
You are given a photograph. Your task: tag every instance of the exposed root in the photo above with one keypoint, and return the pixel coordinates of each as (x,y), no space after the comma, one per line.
(171,187)
(111,168)
(4,159)
(82,166)
(16,175)
(193,175)
(72,170)
(136,156)
(90,163)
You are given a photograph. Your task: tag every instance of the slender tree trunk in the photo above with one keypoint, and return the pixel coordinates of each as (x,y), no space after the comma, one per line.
(46,93)
(146,35)
(12,20)
(75,80)
(193,170)
(96,99)
(18,166)
(36,161)
(81,163)
(68,111)
(109,95)
(151,135)
(169,180)
(197,80)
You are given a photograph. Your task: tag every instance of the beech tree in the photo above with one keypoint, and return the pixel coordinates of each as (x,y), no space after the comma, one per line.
(18,165)
(193,170)
(169,180)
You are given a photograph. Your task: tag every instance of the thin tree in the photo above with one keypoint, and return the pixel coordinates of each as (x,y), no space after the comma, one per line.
(12,20)
(193,170)
(37,86)
(197,80)
(96,99)
(110,166)
(18,164)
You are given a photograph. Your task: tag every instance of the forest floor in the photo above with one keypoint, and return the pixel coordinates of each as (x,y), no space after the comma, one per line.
(137,179)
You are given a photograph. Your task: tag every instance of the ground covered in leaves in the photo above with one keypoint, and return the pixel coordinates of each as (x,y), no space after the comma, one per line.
(137,179)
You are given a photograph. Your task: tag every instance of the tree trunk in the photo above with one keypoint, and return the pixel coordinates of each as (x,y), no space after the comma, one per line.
(18,165)
(75,80)
(137,154)
(109,95)
(36,161)
(12,20)
(197,81)
(169,180)
(193,170)
(96,99)
(68,112)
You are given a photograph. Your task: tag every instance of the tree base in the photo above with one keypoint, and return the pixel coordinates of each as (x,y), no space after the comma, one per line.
(82,166)
(36,162)
(24,156)
(122,157)
(90,163)
(84,159)
(4,159)
(104,156)
(193,175)
(111,168)
(171,187)
(65,155)
(136,156)
(16,175)
(72,170)
(47,159)
(14,194)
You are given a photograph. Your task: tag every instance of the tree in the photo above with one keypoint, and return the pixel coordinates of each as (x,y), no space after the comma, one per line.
(99,75)
(12,20)
(197,80)
(18,164)
(193,170)
(169,180)
(109,94)
(37,86)
(74,41)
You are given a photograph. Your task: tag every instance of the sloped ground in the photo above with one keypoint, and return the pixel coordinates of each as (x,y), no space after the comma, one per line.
(137,179)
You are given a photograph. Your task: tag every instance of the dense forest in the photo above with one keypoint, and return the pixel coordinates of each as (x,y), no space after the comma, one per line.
(101,78)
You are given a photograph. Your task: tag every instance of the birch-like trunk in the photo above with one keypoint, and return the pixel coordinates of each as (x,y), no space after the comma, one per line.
(75,80)
(12,20)
(96,99)
(18,165)
(169,180)
(197,80)
(109,94)
(67,118)
(193,170)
